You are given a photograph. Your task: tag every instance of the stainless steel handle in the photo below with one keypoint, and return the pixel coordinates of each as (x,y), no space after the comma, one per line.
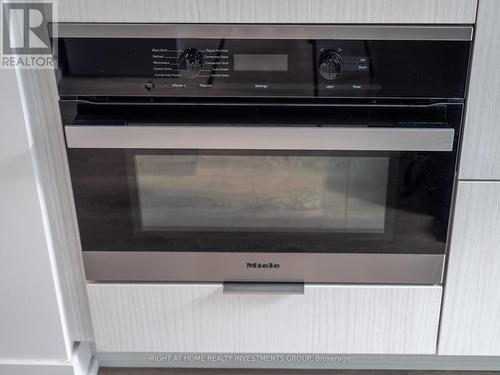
(260,138)
(263,288)
(241,31)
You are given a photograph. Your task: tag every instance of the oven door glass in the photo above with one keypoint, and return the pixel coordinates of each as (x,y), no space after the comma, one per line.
(262,193)
(262,201)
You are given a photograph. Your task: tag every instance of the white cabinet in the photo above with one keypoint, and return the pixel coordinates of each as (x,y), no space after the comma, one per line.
(471,311)
(481,142)
(270,11)
(325,319)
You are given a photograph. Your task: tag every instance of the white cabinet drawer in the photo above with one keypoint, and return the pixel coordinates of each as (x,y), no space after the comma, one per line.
(325,319)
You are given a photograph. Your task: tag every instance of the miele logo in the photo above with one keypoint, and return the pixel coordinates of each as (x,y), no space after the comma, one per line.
(269,265)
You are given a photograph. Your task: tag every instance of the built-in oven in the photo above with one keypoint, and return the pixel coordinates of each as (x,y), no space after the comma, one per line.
(264,153)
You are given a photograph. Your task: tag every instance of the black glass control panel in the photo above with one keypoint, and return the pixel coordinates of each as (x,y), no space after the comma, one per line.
(262,67)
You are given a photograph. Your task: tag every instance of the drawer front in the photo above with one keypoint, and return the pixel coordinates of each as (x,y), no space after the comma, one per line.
(325,319)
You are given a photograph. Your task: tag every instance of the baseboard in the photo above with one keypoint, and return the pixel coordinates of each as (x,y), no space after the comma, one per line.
(38,368)
(81,363)
(300,361)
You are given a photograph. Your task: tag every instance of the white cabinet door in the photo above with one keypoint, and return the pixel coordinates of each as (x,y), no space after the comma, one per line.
(270,11)
(481,142)
(471,311)
(325,319)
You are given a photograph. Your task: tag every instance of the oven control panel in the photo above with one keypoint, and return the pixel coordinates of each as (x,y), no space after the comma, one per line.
(229,67)
(218,63)
(246,67)
(190,63)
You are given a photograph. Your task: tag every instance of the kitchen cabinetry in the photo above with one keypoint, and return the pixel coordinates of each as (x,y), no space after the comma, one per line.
(270,11)
(471,311)
(325,319)
(341,319)
(470,323)
(481,141)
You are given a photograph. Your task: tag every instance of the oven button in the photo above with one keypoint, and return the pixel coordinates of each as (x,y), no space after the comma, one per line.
(330,64)
(190,63)
(149,86)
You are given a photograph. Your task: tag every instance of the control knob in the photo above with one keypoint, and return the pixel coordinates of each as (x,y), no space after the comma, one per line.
(190,62)
(330,64)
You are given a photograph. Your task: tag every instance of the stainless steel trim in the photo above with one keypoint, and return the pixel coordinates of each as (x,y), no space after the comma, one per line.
(260,138)
(165,266)
(265,31)
(263,288)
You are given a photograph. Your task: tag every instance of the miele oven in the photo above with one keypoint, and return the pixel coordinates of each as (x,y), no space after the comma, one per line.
(263,153)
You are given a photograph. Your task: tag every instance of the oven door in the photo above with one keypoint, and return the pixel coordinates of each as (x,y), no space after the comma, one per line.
(240,203)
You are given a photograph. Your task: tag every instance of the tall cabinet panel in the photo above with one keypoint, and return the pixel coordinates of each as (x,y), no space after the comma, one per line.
(481,143)
(470,322)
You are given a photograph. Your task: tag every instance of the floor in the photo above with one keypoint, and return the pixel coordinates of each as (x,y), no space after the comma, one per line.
(143,371)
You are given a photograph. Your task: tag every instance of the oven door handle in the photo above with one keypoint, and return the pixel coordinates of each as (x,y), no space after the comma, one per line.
(260,138)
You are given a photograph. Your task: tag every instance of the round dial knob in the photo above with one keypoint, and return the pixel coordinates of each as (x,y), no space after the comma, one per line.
(190,62)
(330,64)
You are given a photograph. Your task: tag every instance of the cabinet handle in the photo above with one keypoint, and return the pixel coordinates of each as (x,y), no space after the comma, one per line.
(262,288)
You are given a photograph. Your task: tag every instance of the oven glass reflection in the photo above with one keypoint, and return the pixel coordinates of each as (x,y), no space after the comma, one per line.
(262,193)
